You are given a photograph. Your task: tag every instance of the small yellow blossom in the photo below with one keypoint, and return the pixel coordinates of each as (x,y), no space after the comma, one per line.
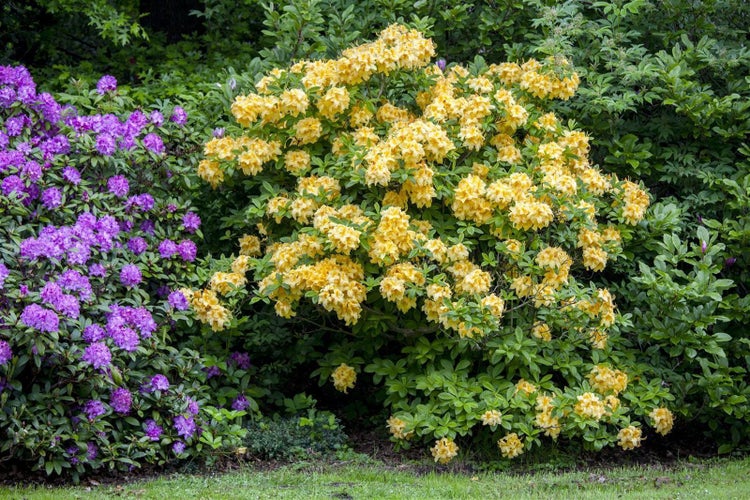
(510,445)
(492,417)
(444,450)
(344,378)
(663,420)
(629,437)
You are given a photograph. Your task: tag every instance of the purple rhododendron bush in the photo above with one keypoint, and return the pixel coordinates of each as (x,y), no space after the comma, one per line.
(97,239)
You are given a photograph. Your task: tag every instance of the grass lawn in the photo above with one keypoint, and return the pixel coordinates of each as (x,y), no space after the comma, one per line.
(369,479)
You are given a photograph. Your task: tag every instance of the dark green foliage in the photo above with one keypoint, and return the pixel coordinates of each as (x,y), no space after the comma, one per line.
(306,434)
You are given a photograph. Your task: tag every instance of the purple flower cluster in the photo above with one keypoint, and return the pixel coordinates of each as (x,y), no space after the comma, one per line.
(186,249)
(73,243)
(185,426)
(241,360)
(159,382)
(130,275)
(120,400)
(107,83)
(178,301)
(152,430)
(44,320)
(4,273)
(97,355)
(93,409)
(5,352)
(240,403)
(124,324)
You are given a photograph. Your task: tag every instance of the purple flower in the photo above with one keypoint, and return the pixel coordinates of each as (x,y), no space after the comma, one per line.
(191,221)
(704,246)
(178,448)
(72,280)
(4,273)
(187,250)
(157,118)
(441,64)
(14,184)
(40,318)
(218,132)
(15,125)
(178,301)
(94,408)
(130,275)
(153,431)
(49,107)
(144,202)
(167,248)
(120,399)
(179,116)
(159,382)
(5,352)
(118,186)
(71,175)
(240,403)
(147,226)
(107,83)
(93,333)
(124,337)
(192,406)
(32,171)
(729,262)
(185,426)
(51,198)
(154,143)
(72,452)
(97,355)
(212,371)
(241,359)
(105,144)
(171,208)
(97,270)
(91,451)
(137,245)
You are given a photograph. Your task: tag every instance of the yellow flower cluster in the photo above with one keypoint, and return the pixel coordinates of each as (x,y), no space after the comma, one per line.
(510,445)
(541,331)
(444,450)
(604,380)
(589,405)
(540,81)
(629,437)
(492,417)
(209,310)
(663,420)
(344,377)
(526,387)
(636,203)
(544,419)
(394,285)
(397,427)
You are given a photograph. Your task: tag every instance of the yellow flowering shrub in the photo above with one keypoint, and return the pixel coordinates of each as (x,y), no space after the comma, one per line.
(447,220)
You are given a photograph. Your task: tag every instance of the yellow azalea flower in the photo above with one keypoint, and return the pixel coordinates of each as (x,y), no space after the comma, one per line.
(492,417)
(344,377)
(510,445)
(663,420)
(444,450)
(629,437)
